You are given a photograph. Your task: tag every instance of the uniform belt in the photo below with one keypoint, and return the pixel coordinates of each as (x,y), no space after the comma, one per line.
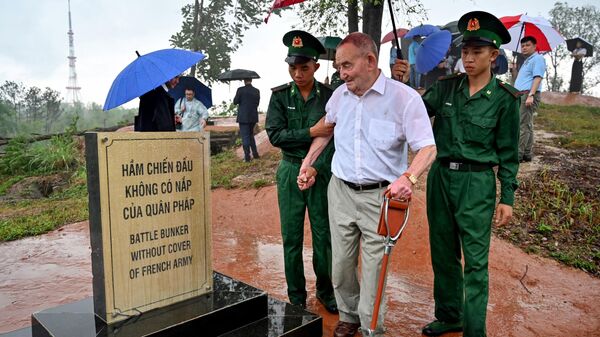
(294,160)
(365,187)
(466,167)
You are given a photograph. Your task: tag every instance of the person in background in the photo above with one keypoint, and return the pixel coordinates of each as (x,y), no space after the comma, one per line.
(292,116)
(336,81)
(157,109)
(577,70)
(415,77)
(393,54)
(190,113)
(459,67)
(529,82)
(247,98)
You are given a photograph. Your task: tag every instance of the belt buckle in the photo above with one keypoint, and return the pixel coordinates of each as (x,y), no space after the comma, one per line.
(454,166)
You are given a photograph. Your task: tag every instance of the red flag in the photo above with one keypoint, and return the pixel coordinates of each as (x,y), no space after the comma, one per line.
(281,4)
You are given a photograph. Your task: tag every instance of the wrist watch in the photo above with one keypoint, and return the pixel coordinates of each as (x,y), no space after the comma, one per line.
(411,177)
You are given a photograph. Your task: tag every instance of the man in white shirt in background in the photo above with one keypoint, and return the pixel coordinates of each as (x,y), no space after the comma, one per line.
(190,113)
(375,118)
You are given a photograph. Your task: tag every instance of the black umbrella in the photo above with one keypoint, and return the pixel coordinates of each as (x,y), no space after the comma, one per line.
(451,26)
(572,45)
(201,91)
(237,75)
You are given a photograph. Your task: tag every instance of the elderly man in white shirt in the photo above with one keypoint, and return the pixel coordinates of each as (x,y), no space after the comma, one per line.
(374,119)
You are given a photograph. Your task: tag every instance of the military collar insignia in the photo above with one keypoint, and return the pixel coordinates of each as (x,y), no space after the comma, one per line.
(473,25)
(297,42)
(489,92)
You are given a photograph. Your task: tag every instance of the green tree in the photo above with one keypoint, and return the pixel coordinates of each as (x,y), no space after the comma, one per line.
(13,93)
(323,16)
(51,103)
(574,22)
(33,103)
(216,28)
(7,124)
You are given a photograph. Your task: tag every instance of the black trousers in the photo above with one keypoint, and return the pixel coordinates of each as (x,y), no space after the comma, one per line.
(248,143)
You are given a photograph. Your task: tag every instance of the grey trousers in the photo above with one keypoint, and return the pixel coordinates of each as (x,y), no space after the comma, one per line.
(526,134)
(353,218)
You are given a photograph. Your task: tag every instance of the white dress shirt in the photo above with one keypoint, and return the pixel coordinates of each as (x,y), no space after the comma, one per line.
(372,131)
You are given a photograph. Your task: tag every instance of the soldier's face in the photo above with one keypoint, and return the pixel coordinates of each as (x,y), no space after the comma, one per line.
(356,67)
(478,59)
(303,74)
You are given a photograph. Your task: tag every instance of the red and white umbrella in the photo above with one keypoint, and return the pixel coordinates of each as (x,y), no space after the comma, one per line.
(523,25)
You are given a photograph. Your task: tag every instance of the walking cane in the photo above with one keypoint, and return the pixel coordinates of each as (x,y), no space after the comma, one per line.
(393,220)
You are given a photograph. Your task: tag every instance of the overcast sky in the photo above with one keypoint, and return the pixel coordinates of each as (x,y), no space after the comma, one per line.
(34,42)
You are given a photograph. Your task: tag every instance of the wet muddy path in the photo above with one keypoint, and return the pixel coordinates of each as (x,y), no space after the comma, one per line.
(529,295)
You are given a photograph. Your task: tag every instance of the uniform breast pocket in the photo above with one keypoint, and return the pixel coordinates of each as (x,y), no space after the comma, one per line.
(479,129)
(382,133)
(447,112)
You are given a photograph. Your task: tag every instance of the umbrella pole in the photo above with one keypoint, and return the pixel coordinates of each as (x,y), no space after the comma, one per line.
(517,48)
(398,51)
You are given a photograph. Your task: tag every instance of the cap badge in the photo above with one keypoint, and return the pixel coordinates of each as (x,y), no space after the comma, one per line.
(473,25)
(297,42)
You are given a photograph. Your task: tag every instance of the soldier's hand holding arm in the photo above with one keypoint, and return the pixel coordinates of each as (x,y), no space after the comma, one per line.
(321,129)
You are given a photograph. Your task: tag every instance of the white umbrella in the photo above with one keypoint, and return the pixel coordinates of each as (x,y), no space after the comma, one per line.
(523,25)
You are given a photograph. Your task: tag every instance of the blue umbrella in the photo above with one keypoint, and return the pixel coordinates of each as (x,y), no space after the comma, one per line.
(433,50)
(422,30)
(148,72)
(201,91)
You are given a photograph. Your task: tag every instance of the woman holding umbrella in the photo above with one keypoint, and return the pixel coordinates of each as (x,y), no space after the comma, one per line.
(577,70)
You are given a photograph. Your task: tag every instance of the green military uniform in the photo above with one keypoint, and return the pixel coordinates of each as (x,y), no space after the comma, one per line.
(472,135)
(289,118)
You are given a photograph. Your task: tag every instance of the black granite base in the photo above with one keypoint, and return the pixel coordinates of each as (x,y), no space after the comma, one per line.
(233,309)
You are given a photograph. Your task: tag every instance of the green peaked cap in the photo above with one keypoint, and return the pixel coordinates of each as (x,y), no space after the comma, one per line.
(483,28)
(302,47)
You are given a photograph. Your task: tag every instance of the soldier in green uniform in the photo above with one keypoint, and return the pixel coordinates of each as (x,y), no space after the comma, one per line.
(476,127)
(292,116)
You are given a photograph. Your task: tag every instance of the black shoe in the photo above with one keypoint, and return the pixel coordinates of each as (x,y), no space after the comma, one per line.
(525,159)
(438,328)
(330,306)
(300,304)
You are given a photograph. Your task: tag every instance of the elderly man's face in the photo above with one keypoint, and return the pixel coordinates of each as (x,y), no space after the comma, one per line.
(355,67)
(189,94)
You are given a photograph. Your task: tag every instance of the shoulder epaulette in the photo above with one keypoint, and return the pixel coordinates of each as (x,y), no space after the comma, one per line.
(453,76)
(281,87)
(511,90)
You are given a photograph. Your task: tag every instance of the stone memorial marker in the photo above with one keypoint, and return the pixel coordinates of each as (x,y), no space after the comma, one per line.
(149,202)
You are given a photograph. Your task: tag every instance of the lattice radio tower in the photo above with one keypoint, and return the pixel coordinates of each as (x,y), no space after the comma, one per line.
(72,87)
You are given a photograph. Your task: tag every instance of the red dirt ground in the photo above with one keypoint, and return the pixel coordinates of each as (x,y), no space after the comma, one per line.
(53,269)
(529,295)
